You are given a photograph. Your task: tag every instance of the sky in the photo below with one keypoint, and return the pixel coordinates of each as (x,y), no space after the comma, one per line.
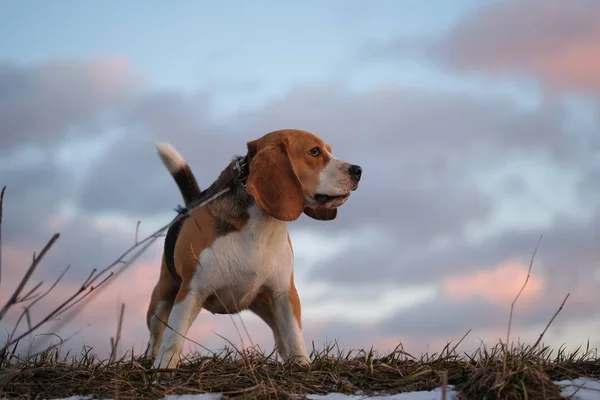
(476,124)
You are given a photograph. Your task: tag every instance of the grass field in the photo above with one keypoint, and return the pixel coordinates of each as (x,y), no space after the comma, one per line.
(519,372)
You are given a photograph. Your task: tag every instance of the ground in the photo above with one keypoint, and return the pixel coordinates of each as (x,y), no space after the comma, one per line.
(499,372)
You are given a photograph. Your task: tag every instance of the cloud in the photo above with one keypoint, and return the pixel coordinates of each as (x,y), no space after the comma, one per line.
(46,103)
(34,192)
(48,113)
(496,286)
(452,318)
(129,177)
(555,41)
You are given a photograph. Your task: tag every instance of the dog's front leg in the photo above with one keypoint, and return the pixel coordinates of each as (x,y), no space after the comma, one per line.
(188,304)
(286,309)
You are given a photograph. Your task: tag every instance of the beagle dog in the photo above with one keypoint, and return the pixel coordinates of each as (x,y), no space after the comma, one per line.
(234,253)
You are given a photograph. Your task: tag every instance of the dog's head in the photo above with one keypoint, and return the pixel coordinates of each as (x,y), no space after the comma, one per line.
(293,171)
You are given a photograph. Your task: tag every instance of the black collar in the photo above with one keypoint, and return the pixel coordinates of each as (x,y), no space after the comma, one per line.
(242,169)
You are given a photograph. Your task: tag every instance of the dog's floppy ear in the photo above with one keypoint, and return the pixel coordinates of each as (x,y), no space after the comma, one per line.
(273,183)
(321,213)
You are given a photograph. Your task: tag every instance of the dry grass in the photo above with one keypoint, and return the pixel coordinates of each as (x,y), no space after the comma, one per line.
(254,375)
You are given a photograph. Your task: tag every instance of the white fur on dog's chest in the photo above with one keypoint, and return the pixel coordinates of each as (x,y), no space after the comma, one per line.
(238,265)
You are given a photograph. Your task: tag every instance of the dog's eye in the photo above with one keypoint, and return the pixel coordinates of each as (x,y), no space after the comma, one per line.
(315,151)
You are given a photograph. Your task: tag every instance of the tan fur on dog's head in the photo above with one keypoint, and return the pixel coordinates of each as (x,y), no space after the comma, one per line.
(293,171)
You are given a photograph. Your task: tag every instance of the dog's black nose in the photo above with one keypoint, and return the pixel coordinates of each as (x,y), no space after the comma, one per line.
(355,172)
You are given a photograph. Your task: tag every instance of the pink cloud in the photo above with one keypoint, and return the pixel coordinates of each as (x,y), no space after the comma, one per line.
(498,286)
(585,296)
(558,41)
(105,78)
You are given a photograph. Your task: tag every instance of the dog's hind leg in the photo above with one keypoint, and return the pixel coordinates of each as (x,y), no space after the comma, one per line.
(186,307)
(161,303)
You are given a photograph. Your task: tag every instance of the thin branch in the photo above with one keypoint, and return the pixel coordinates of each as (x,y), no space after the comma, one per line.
(47,318)
(89,278)
(26,312)
(183,336)
(551,320)
(115,344)
(31,294)
(1,205)
(35,262)
(137,231)
(150,239)
(113,274)
(91,289)
(460,341)
(40,297)
(62,341)
(512,306)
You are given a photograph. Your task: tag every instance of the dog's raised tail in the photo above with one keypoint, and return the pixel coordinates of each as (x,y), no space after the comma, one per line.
(180,170)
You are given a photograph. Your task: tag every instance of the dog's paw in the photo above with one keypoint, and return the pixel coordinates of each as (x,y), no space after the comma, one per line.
(300,361)
(166,360)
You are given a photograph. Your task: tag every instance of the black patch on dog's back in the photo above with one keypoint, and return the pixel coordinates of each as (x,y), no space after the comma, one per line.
(230,206)
(223,227)
(169,249)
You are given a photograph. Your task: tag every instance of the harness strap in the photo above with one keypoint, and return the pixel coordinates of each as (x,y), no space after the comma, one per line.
(169,249)
(241,168)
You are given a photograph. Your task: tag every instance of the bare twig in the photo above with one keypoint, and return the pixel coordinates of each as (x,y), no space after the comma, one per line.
(36,300)
(89,278)
(137,231)
(56,311)
(92,288)
(512,306)
(115,345)
(32,294)
(62,341)
(551,320)
(460,341)
(113,274)
(34,263)
(1,205)
(26,312)
(183,336)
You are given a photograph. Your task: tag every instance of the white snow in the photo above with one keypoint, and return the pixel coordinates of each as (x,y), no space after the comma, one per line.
(580,389)
(421,395)
(584,388)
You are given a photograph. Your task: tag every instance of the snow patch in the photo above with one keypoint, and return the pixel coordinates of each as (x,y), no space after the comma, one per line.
(579,389)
